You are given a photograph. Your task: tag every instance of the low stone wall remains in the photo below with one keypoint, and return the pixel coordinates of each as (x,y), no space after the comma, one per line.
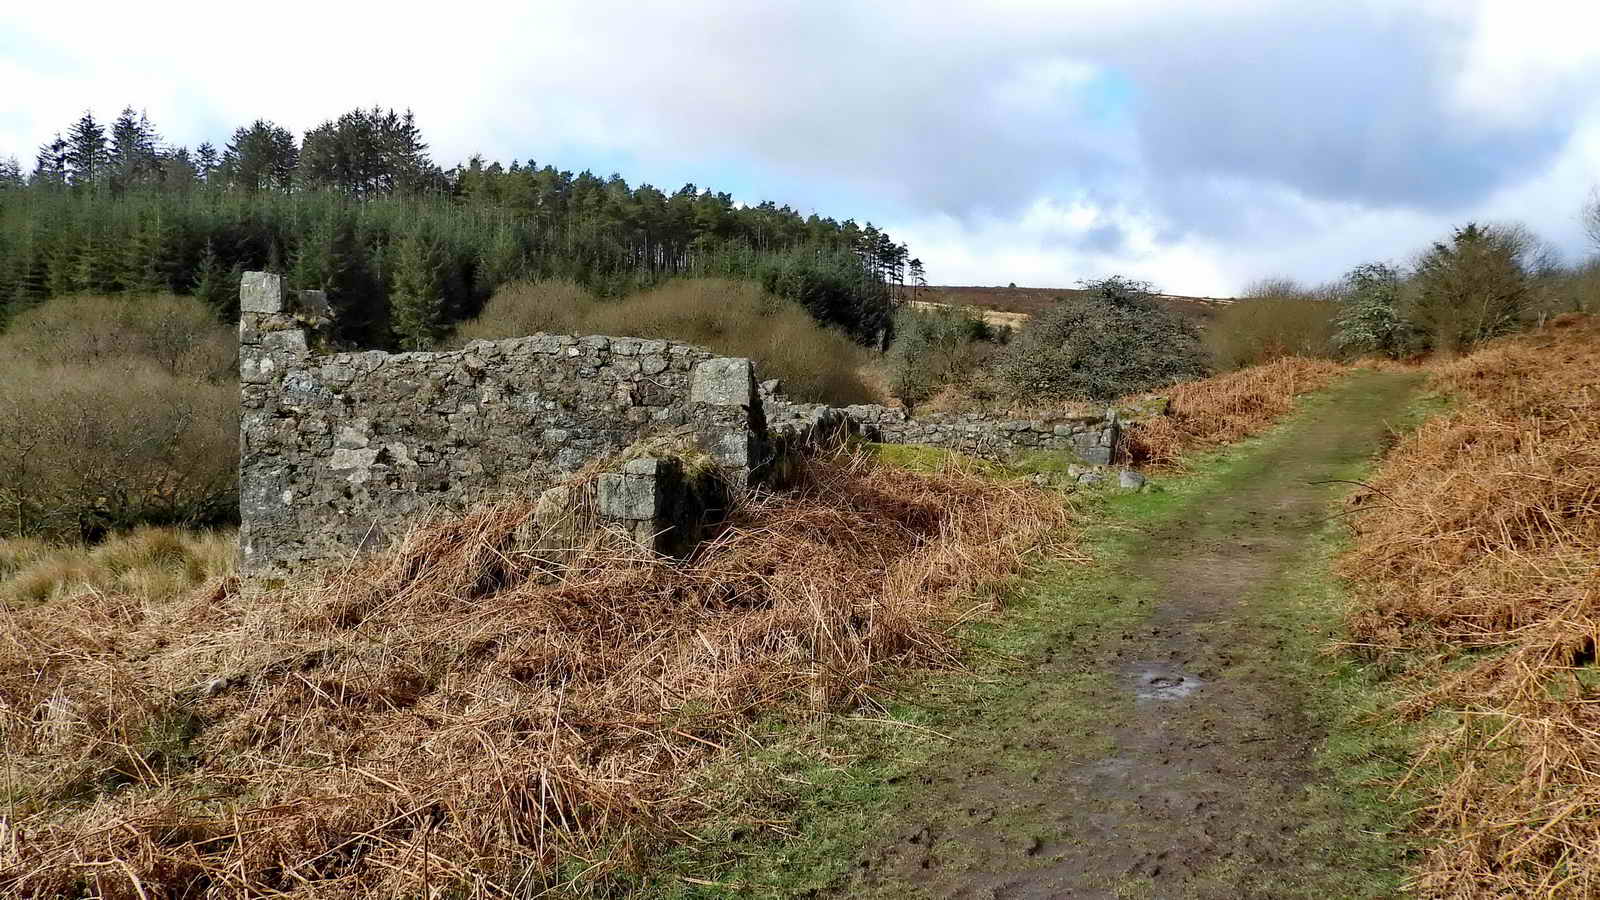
(1092,437)
(343,452)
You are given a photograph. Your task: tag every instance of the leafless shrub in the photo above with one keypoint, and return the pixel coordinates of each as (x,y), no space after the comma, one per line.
(118,412)
(1274,318)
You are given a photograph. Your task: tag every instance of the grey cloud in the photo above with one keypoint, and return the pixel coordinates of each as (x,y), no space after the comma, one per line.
(1334,102)
(1336,105)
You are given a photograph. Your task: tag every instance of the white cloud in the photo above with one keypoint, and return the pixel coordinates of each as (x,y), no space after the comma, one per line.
(1198,144)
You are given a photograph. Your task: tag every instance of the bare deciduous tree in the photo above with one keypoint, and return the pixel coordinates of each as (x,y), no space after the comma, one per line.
(1591,217)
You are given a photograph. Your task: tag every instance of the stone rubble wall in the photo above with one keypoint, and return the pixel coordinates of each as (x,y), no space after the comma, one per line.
(343,452)
(1091,437)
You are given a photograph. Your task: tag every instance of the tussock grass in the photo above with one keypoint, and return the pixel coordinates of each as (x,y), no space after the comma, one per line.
(148,564)
(1223,409)
(454,716)
(1477,573)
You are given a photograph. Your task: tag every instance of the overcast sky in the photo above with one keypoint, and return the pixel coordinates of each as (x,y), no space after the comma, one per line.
(1199,144)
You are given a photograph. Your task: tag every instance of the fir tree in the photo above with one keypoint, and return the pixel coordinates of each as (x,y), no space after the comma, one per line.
(415,300)
(134,158)
(205,161)
(11,174)
(50,166)
(86,151)
(261,157)
(213,283)
(177,171)
(146,257)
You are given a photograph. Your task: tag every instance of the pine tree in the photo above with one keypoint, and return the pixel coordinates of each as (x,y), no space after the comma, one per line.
(86,151)
(205,161)
(11,174)
(177,171)
(504,260)
(309,263)
(28,284)
(50,166)
(415,299)
(261,157)
(213,283)
(146,262)
(134,158)
(93,267)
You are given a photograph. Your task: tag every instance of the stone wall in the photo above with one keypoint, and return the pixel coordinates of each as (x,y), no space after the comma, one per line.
(1091,437)
(342,452)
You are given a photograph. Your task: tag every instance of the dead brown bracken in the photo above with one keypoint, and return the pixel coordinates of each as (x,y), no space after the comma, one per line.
(1478,571)
(457,713)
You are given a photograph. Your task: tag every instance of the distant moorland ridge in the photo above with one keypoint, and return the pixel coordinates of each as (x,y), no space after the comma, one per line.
(1029,300)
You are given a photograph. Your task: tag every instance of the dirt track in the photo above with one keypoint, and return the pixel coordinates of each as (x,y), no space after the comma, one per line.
(1175,756)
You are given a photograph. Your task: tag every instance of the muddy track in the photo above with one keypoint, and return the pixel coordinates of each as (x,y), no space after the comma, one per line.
(1187,777)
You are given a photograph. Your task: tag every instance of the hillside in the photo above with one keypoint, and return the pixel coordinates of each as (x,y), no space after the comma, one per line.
(1028,301)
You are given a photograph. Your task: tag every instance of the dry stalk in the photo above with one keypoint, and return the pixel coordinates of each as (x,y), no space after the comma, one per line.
(1481,582)
(465,713)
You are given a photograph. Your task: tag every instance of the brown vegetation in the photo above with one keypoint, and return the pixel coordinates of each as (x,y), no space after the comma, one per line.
(1222,409)
(147,565)
(1477,569)
(455,717)
(1031,301)
(731,317)
(117,412)
(1275,318)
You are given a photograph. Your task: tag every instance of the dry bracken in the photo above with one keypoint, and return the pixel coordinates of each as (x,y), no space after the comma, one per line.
(1477,575)
(459,714)
(1223,409)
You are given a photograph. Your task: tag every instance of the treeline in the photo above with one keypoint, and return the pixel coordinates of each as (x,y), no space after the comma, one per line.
(405,249)
(1113,337)
(1481,282)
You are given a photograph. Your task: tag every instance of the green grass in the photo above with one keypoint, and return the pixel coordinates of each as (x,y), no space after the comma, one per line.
(796,814)
(834,781)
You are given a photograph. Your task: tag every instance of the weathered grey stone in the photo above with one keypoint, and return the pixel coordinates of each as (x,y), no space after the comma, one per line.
(621,496)
(351,439)
(1130,480)
(644,465)
(261,292)
(291,341)
(1089,478)
(724,381)
(347,458)
(732,450)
